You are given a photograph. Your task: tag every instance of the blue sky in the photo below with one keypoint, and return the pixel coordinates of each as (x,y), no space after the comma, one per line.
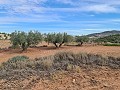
(72,16)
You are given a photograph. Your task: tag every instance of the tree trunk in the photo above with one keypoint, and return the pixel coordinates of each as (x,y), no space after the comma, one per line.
(24,48)
(80,44)
(48,43)
(61,44)
(55,45)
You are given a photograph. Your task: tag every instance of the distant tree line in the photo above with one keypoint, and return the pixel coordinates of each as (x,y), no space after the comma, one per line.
(110,38)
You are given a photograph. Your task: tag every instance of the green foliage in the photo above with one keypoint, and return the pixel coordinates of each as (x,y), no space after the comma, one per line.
(58,38)
(18,58)
(24,40)
(112,44)
(81,39)
(15,63)
(69,38)
(34,38)
(19,39)
(2,33)
(111,39)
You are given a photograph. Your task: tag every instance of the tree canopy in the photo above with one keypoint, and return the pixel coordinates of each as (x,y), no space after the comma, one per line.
(81,39)
(24,40)
(58,39)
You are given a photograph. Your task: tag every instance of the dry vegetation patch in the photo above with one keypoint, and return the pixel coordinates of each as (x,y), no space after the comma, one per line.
(62,71)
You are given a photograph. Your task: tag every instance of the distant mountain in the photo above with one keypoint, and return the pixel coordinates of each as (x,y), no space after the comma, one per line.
(103,34)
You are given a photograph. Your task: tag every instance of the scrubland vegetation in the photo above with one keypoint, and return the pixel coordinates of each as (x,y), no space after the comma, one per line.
(21,67)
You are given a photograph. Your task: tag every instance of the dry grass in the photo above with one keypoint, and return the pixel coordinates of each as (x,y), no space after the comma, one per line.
(62,66)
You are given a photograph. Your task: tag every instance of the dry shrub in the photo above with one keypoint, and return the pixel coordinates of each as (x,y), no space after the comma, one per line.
(21,67)
(15,63)
(75,68)
(44,63)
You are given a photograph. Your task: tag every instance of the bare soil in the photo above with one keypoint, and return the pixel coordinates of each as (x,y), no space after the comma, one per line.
(96,79)
(103,79)
(40,51)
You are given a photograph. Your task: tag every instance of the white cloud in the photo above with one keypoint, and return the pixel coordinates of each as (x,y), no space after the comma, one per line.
(21,6)
(92,15)
(33,10)
(30,6)
(116,20)
(92,8)
(31,19)
(101,8)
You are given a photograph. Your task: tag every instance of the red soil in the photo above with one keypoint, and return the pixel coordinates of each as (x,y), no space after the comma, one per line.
(51,50)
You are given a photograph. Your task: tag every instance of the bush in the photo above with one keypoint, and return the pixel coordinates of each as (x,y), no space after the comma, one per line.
(18,58)
(84,60)
(21,67)
(112,44)
(62,60)
(15,63)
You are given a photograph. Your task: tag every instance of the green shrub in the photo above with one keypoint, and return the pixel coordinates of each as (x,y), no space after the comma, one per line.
(17,62)
(112,44)
(18,58)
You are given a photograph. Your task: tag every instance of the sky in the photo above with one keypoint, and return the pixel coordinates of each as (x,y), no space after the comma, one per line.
(77,17)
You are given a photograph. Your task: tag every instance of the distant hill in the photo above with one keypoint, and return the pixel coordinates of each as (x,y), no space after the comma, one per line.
(103,34)
(4,36)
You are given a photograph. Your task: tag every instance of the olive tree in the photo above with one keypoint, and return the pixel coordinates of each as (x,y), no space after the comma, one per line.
(58,39)
(34,37)
(24,40)
(81,39)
